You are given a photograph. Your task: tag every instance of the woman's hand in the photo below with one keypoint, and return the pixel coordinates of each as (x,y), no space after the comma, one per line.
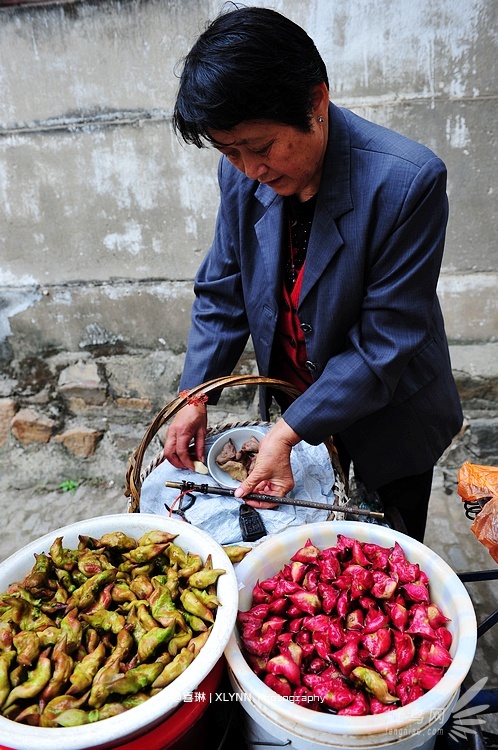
(189,424)
(272,473)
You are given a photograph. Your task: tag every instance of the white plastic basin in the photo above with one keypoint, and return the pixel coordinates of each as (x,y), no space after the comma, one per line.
(136,721)
(406,727)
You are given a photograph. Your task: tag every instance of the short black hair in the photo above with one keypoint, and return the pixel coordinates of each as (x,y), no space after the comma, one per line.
(249,64)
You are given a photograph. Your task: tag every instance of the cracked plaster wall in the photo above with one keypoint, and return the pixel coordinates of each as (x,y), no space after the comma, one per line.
(106,216)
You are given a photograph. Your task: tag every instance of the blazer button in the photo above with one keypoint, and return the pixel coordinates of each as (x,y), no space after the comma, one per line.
(306,328)
(311,366)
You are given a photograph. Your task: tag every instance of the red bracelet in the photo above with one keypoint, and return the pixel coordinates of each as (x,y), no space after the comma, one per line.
(201,398)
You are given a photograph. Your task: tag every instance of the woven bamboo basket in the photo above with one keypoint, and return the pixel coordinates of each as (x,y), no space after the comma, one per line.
(137,473)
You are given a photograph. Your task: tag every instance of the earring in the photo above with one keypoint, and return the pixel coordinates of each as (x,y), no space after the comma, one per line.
(320,118)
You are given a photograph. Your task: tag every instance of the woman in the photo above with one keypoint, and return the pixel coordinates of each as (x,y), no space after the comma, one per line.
(327,251)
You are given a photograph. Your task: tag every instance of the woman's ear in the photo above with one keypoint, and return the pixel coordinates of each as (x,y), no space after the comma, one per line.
(319,100)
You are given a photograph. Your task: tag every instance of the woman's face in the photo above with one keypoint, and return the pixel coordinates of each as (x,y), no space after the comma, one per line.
(287,160)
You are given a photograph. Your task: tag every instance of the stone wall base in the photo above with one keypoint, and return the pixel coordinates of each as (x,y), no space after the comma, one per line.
(78,417)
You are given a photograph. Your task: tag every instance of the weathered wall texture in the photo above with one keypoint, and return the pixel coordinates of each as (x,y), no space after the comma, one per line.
(105,217)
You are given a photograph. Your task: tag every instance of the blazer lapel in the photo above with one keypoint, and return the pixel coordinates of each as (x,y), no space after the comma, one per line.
(269,231)
(325,241)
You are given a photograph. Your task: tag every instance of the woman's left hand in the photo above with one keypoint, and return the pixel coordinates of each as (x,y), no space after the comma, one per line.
(272,473)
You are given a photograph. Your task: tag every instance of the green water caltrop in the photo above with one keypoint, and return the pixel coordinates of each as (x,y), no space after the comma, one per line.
(91,632)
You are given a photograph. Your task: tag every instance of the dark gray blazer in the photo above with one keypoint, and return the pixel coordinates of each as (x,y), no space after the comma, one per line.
(374,331)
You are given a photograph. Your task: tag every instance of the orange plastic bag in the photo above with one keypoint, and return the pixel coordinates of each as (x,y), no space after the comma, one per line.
(474,483)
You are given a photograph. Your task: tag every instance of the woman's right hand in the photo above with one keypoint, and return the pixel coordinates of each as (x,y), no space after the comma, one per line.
(189,424)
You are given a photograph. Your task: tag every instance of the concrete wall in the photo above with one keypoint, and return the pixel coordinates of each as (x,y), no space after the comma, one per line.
(105,217)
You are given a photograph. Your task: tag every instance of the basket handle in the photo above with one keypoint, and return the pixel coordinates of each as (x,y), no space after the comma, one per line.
(133,475)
